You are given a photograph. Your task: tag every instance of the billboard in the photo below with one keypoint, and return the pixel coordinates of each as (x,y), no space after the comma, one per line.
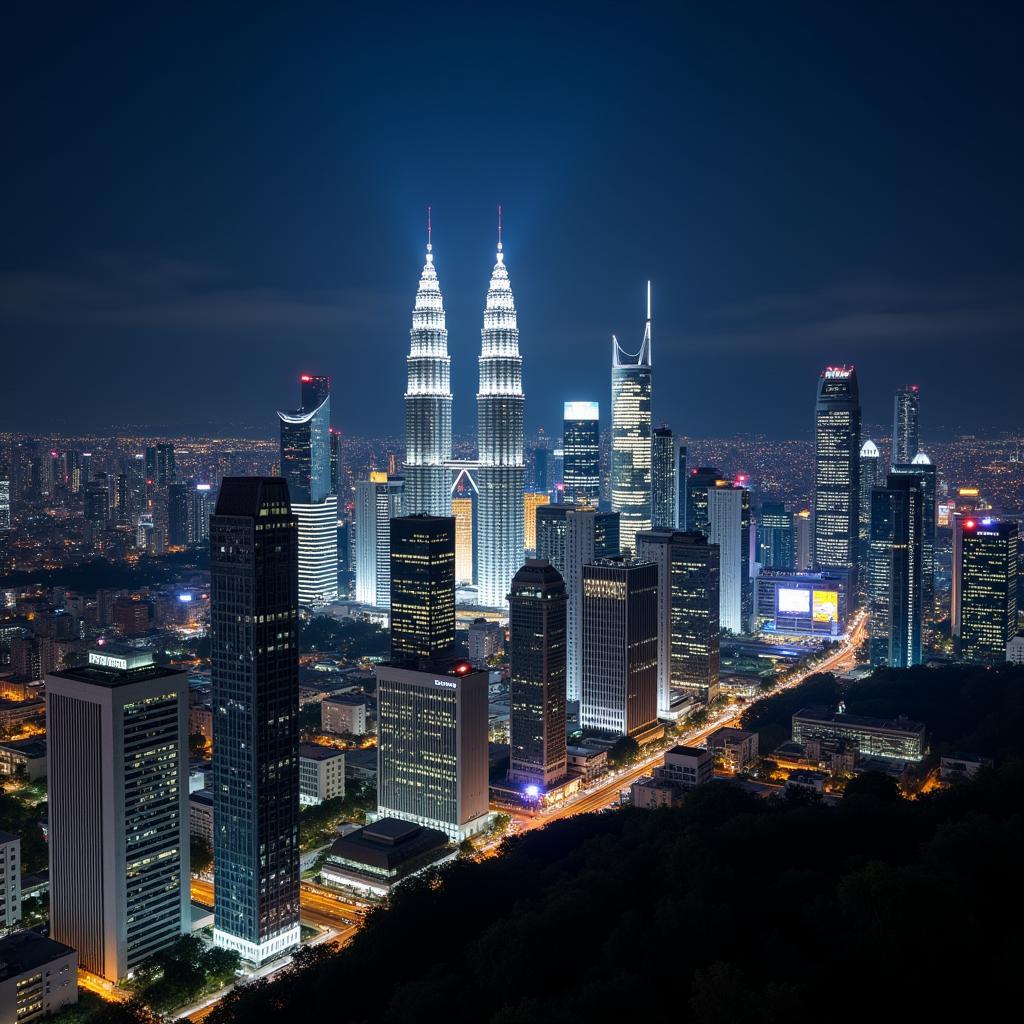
(581,410)
(826,606)
(793,601)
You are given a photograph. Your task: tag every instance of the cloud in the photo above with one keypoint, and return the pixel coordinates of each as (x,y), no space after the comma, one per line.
(150,292)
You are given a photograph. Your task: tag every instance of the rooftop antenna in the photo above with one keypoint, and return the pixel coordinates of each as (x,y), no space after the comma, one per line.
(648,301)
(499,227)
(430,248)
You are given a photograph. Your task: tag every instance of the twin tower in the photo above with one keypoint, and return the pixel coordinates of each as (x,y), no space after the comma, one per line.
(498,471)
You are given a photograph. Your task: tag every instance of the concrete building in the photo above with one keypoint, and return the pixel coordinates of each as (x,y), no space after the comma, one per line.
(38,977)
(200,816)
(23,759)
(117,752)
(343,714)
(321,774)
(589,763)
(688,767)
(729,528)
(486,639)
(957,767)
(737,748)
(896,739)
(648,793)
(10,881)
(378,501)
(1014,655)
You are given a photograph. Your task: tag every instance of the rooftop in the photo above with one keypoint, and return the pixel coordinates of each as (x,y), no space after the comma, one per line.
(683,751)
(346,698)
(820,714)
(26,951)
(98,675)
(318,752)
(7,837)
(387,843)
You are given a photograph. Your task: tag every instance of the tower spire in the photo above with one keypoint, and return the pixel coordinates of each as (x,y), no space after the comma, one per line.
(430,248)
(499,227)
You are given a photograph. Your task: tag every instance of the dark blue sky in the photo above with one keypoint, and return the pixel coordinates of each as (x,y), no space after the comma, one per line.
(198,206)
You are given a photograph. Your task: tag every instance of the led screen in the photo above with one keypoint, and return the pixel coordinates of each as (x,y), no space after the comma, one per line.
(826,606)
(792,601)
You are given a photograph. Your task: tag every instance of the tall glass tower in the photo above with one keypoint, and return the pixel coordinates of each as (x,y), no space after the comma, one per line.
(837,471)
(500,476)
(631,436)
(428,401)
(581,458)
(664,468)
(905,438)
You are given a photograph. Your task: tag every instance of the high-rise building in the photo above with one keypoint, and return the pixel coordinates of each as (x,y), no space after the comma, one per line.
(922,470)
(906,442)
(254,612)
(619,686)
(664,487)
(682,475)
(837,471)
(422,587)
(96,503)
(871,476)
(500,475)
(894,566)
(199,531)
(10,882)
(581,453)
(118,839)
(631,435)
(802,540)
(537,623)
(729,528)
(160,466)
(428,400)
(5,504)
(532,500)
(378,501)
(177,515)
(988,569)
(462,513)
(306,465)
(699,481)
(336,466)
(775,536)
(432,747)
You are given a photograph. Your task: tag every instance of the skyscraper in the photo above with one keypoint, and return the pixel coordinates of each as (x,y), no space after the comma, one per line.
(619,687)
(537,621)
(894,566)
(428,400)
(802,540)
(682,475)
(581,453)
(254,611)
(905,438)
(729,528)
(462,512)
(160,466)
(988,568)
(775,536)
(5,504)
(177,515)
(378,501)
(631,435)
(837,471)
(688,612)
(871,476)
(432,747)
(532,500)
(422,587)
(200,519)
(306,465)
(117,769)
(500,476)
(922,470)
(700,479)
(664,488)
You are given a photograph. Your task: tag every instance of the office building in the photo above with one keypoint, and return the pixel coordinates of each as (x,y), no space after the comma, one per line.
(500,475)
(321,774)
(254,612)
(687,767)
(664,485)
(199,522)
(38,977)
(200,816)
(699,481)
(537,729)
(96,504)
(801,603)
(894,568)
(631,436)
(837,471)
(343,714)
(988,569)
(462,513)
(428,400)
(896,739)
(432,747)
(581,453)
(619,647)
(306,465)
(532,500)
(729,528)
(10,881)
(5,505)
(871,476)
(177,515)
(422,587)
(486,640)
(160,466)
(775,536)
(922,470)
(378,501)
(906,442)
(688,613)
(802,540)
(117,769)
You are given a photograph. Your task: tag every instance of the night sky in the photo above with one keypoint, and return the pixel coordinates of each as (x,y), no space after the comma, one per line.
(199,206)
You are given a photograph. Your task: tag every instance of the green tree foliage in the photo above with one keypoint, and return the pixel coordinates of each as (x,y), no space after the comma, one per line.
(183,973)
(318,824)
(200,855)
(625,750)
(20,815)
(351,638)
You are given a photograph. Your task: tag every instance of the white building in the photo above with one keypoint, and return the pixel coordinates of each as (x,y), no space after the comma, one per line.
(38,977)
(1015,650)
(200,816)
(318,550)
(10,881)
(725,528)
(321,774)
(486,639)
(378,501)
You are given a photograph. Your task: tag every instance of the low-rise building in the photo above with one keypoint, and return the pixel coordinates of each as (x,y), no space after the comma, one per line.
(14,713)
(805,779)
(200,816)
(485,641)
(736,748)
(321,773)
(38,977)
(361,765)
(200,722)
(648,793)
(343,713)
(589,763)
(957,767)
(1015,650)
(10,881)
(23,759)
(688,767)
(896,739)
(376,858)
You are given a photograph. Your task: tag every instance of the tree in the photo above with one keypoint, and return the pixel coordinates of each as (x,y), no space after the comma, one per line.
(196,745)
(200,855)
(625,750)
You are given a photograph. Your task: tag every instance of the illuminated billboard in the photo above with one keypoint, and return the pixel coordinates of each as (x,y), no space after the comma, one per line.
(826,606)
(792,601)
(582,410)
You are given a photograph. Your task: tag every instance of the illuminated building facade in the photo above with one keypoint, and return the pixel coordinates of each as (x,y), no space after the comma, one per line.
(988,568)
(871,476)
(631,436)
(160,466)
(422,587)
(801,603)
(532,500)
(894,567)
(462,513)
(254,612)
(664,487)
(500,475)
(802,540)
(922,470)
(906,441)
(698,482)
(432,748)
(177,515)
(729,528)
(619,686)
(581,453)
(775,536)
(837,471)
(199,524)
(428,400)
(537,624)
(378,501)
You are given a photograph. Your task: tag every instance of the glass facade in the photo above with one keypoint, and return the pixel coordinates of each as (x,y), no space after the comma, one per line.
(663,479)
(989,563)
(581,453)
(906,442)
